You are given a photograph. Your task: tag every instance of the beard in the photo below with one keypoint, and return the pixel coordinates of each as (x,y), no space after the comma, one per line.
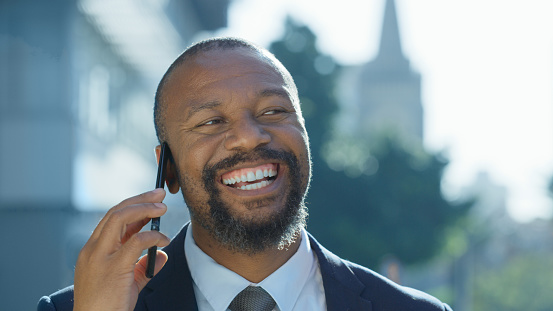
(248,235)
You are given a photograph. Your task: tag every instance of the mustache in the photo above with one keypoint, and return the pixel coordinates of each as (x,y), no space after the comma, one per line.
(260,153)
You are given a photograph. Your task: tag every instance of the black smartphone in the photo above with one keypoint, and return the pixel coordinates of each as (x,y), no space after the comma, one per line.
(160,183)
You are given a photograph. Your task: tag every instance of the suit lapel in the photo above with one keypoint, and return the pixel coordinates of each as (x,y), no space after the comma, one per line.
(171,288)
(342,288)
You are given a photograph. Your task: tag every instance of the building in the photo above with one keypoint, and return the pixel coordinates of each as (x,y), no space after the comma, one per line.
(77,80)
(383,96)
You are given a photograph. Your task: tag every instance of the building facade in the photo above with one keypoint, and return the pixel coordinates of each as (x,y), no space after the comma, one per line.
(383,96)
(77,80)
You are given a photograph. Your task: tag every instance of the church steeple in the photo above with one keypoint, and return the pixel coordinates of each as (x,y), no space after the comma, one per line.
(389,92)
(390,50)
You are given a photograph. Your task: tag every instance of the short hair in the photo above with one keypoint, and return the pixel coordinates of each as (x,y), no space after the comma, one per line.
(220,44)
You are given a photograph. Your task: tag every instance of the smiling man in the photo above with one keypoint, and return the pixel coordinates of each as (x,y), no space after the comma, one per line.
(230,113)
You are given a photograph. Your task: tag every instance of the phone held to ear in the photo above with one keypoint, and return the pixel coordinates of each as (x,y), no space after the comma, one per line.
(160,182)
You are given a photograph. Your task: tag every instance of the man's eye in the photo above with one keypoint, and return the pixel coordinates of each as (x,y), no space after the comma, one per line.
(273,111)
(211,122)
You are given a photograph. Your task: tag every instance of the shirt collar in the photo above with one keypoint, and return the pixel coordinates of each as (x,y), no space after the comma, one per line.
(220,285)
(287,282)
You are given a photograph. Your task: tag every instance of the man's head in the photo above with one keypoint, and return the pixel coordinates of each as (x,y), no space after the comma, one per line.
(230,113)
(215,44)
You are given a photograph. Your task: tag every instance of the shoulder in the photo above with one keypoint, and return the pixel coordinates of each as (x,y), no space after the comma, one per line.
(60,301)
(382,293)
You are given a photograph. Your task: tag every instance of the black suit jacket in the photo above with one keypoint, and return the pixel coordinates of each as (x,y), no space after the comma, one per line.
(348,286)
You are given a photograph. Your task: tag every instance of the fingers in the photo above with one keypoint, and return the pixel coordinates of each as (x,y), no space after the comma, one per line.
(141,241)
(107,264)
(154,196)
(134,228)
(140,268)
(123,224)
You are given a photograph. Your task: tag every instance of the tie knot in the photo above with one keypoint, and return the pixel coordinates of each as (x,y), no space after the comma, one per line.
(252,298)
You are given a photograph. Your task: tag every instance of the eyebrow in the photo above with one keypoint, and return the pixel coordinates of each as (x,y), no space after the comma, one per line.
(274,92)
(197,108)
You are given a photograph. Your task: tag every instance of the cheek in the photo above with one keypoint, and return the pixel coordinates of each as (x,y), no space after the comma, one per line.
(297,139)
(197,152)
(193,158)
(303,152)
(193,190)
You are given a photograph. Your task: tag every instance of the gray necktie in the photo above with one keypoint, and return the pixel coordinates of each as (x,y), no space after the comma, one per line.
(252,298)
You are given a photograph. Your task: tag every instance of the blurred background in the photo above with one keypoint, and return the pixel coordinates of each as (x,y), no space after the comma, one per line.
(430,123)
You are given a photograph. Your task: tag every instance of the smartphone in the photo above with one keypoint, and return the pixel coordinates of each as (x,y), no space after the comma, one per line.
(160,183)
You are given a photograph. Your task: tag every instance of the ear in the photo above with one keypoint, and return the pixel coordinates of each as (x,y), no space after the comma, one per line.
(171,179)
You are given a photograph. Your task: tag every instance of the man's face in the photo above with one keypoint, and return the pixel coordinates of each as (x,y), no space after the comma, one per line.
(240,146)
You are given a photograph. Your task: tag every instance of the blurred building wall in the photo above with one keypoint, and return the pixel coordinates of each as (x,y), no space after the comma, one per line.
(77,80)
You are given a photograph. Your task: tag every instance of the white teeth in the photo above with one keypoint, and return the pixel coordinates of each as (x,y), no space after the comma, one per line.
(258,185)
(229,181)
(258,174)
(251,176)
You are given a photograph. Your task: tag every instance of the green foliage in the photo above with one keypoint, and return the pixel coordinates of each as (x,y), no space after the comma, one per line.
(397,210)
(367,205)
(315,75)
(524,283)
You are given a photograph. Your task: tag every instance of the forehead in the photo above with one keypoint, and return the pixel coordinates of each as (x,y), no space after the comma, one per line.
(223,68)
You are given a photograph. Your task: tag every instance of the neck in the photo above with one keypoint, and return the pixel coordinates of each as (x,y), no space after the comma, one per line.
(254,268)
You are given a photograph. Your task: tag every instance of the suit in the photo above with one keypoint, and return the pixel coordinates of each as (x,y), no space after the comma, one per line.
(348,286)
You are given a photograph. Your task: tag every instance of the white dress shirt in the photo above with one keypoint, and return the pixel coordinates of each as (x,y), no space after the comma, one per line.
(296,285)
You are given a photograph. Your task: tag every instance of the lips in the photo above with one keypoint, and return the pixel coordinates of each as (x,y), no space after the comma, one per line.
(251,178)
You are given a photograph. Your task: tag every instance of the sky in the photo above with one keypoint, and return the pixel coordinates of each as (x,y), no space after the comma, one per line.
(487,78)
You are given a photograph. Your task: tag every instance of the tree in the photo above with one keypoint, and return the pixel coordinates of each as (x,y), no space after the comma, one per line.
(394,204)
(314,74)
(523,283)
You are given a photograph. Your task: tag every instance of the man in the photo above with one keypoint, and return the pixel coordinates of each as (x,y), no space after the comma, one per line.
(231,116)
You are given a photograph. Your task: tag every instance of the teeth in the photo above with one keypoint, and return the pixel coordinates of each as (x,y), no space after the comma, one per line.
(251,176)
(229,181)
(258,185)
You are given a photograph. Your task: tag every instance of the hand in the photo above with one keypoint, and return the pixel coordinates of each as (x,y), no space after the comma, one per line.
(108,275)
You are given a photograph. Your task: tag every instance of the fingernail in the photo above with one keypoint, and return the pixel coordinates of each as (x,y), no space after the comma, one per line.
(157,190)
(159,205)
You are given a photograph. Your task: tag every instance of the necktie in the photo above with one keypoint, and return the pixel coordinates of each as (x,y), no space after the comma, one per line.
(252,298)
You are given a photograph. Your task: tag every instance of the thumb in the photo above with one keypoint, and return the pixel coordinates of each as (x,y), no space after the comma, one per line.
(140,268)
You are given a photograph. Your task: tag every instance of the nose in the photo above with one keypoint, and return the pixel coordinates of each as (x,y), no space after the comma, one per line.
(246,134)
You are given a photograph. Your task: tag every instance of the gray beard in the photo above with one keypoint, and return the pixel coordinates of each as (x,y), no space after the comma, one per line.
(248,236)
